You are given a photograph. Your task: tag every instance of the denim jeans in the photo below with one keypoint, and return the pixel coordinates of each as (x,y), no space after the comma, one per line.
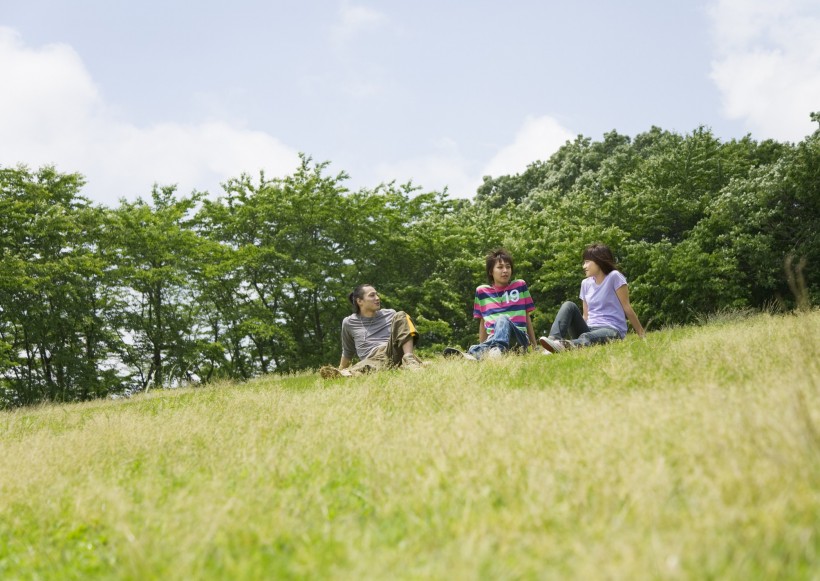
(505,333)
(570,324)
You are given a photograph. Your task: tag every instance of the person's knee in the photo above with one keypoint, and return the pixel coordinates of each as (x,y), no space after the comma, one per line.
(583,340)
(403,325)
(503,320)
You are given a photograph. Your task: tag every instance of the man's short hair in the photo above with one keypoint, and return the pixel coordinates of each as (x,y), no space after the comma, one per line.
(493,258)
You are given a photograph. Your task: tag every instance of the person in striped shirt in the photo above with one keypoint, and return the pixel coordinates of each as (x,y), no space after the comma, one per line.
(503,307)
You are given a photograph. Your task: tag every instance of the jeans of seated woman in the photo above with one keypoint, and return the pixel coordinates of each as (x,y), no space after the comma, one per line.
(505,334)
(570,324)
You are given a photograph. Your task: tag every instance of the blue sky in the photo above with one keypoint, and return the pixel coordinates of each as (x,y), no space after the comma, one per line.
(434,91)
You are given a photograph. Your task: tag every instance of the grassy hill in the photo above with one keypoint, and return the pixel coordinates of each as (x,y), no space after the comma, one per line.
(693,454)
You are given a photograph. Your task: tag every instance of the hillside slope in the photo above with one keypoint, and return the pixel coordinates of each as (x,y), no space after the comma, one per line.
(692,454)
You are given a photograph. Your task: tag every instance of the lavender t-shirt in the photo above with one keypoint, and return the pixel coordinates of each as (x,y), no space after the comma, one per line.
(605,309)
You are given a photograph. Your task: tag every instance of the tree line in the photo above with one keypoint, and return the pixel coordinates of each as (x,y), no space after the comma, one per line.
(197,288)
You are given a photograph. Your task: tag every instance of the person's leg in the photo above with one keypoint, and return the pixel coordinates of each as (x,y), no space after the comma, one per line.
(480,350)
(502,331)
(514,336)
(376,360)
(403,336)
(500,339)
(505,333)
(596,335)
(477,350)
(569,322)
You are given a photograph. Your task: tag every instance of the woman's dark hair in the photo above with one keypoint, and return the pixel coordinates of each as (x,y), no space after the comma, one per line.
(358,293)
(601,255)
(494,257)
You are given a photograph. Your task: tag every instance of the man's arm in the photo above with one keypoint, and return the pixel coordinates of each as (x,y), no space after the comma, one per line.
(482,331)
(531,332)
(348,344)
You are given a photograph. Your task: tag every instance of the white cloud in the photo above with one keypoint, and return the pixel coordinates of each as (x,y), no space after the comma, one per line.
(362,89)
(537,139)
(768,64)
(51,112)
(444,167)
(353,21)
(358,73)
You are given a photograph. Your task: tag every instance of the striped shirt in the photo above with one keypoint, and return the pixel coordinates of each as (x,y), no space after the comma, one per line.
(513,300)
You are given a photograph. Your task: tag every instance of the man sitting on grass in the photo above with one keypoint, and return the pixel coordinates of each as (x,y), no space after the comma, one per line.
(381,338)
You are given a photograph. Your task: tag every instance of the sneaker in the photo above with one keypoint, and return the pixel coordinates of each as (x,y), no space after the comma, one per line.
(493,353)
(551,344)
(452,353)
(411,361)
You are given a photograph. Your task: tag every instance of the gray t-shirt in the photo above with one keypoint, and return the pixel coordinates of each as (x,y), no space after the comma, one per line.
(360,335)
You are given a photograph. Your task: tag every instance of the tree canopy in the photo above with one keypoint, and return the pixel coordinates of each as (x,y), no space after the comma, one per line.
(195,288)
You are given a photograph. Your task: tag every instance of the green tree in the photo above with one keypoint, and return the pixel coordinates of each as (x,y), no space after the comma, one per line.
(157,314)
(439,269)
(55,341)
(286,242)
(759,220)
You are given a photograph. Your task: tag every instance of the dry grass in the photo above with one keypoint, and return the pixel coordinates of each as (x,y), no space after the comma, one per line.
(693,454)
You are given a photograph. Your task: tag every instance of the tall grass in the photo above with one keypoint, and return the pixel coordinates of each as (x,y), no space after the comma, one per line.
(693,454)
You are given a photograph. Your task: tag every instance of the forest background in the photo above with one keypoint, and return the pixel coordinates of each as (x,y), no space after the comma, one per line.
(180,289)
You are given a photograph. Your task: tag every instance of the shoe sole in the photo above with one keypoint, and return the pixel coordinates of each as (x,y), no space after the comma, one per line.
(452,353)
(546,345)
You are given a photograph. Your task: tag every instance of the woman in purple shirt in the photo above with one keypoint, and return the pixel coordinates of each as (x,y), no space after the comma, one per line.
(605,296)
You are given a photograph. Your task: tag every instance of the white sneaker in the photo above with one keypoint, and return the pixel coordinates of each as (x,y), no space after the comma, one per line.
(493,353)
(551,344)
